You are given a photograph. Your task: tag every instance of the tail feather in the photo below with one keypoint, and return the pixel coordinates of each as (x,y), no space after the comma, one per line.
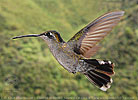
(100,73)
(103,66)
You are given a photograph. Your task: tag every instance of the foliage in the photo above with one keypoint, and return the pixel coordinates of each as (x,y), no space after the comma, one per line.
(27,68)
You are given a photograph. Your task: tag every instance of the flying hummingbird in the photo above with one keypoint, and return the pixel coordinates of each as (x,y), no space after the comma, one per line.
(75,54)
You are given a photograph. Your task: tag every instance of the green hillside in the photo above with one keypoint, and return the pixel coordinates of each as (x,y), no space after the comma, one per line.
(28,69)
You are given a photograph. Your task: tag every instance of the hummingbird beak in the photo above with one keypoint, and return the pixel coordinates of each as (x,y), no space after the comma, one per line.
(31,35)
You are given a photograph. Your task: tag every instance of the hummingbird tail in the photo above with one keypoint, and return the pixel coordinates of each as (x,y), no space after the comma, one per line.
(100,73)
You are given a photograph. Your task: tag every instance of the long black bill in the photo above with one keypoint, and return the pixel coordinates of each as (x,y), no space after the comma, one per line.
(31,35)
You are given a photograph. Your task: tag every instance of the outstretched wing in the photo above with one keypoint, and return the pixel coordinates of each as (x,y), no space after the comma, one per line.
(84,42)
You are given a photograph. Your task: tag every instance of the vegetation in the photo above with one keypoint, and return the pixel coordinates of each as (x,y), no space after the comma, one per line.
(28,69)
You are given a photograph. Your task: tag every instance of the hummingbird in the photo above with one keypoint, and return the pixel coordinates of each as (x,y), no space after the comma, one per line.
(75,54)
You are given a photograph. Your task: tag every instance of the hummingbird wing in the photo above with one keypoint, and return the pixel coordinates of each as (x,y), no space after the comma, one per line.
(84,42)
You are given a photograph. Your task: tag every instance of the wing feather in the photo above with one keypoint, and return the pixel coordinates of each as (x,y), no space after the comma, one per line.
(87,38)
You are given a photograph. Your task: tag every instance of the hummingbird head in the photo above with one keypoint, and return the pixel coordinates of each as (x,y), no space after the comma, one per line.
(52,36)
(48,36)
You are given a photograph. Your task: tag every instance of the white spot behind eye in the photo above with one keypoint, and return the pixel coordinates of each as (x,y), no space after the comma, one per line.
(51,33)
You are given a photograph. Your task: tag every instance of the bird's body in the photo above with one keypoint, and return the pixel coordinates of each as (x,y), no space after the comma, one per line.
(74,55)
(65,55)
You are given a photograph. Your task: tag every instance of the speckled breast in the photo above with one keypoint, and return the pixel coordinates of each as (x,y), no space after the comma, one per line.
(66,57)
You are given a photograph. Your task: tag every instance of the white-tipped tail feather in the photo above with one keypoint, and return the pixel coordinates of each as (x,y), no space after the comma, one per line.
(100,73)
(103,88)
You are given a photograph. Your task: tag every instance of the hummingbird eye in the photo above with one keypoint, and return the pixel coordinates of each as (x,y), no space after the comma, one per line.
(50,35)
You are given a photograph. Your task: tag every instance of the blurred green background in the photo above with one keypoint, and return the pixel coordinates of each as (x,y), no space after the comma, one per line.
(28,69)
